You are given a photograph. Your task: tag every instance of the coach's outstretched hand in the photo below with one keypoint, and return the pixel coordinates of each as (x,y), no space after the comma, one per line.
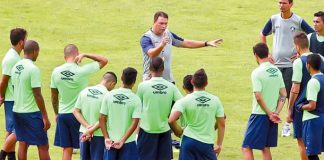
(215,43)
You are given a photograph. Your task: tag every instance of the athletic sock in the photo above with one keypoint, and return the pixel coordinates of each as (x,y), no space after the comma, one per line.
(313,157)
(3,155)
(12,156)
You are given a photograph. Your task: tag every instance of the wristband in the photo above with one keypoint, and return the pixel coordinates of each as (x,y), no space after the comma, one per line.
(299,107)
(206,43)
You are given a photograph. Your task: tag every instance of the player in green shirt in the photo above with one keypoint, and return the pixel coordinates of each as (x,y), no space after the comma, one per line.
(313,117)
(202,111)
(87,112)
(156,94)
(66,83)
(29,112)
(269,96)
(120,113)
(18,37)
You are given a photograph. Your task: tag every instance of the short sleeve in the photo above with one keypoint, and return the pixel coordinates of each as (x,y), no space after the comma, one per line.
(7,67)
(256,82)
(177,94)
(179,106)
(146,44)
(267,29)
(176,40)
(306,28)
(53,85)
(78,103)
(137,108)
(35,79)
(89,69)
(313,88)
(297,71)
(220,109)
(104,105)
(139,92)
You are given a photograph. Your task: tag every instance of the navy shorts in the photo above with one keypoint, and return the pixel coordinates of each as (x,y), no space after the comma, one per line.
(313,135)
(93,149)
(67,131)
(260,133)
(128,151)
(297,123)
(157,146)
(8,105)
(29,128)
(192,149)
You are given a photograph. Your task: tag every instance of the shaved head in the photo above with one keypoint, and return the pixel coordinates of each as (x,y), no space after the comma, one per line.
(31,46)
(110,77)
(71,50)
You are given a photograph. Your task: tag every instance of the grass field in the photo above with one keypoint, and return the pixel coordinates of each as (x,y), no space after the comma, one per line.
(113,29)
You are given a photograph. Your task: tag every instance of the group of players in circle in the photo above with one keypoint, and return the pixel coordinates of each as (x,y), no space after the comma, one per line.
(108,123)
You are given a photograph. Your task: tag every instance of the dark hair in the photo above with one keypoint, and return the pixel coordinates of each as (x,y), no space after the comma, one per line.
(290,1)
(157,64)
(314,60)
(187,83)
(110,76)
(129,76)
(200,78)
(319,14)
(17,34)
(301,40)
(160,14)
(261,50)
(30,47)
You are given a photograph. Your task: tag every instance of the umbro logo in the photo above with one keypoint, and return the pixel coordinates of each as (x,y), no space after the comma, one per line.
(19,67)
(95,92)
(159,87)
(67,73)
(120,97)
(272,70)
(202,99)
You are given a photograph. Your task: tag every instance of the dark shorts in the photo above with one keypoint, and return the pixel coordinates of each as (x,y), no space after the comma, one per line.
(8,105)
(157,146)
(192,149)
(260,133)
(313,135)
(93,149)
(287,77)
(29,128)
(67,131)
(128,151)
(297,123)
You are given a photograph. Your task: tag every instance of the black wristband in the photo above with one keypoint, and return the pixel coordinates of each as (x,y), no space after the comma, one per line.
(206,43)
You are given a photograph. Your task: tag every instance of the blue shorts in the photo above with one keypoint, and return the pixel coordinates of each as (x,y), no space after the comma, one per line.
(192,149)
(260,133)
(297,123)
(67,131)
(128,151)
(8,105)
(29,128)
(313,135)
(157,146)
(93,149)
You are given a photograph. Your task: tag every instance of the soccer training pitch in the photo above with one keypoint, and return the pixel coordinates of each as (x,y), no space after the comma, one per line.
(114,28)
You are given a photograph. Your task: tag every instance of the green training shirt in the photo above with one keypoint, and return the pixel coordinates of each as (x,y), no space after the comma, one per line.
(25,76)
(10,59)
(89,102)
(298,69)
(69,79)
(200,110)
(120,106)
(313,87)
(266,79)
(156,95)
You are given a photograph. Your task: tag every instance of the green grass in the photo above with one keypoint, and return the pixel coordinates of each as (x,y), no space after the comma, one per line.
(113,29)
